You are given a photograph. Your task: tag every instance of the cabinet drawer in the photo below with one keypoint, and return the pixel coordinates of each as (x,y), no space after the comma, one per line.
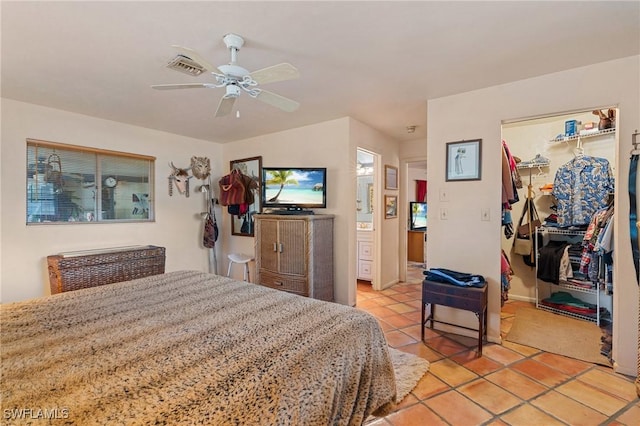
(365,250)
(467,298)
(291,284)
(465,303)
(364,269)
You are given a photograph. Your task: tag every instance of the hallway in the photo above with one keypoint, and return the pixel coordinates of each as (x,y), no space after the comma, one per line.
(510,384)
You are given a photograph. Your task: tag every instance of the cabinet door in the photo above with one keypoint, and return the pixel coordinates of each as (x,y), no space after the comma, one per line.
(292,246)
(268,244)
(415,246)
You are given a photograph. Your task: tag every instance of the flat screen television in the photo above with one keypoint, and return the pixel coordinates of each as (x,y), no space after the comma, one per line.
(417,216)
(294,188)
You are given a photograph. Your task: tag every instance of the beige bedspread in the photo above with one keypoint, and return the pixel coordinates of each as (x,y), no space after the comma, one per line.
(191,348)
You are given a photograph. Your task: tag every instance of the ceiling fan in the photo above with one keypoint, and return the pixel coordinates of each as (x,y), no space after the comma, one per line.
(234,78)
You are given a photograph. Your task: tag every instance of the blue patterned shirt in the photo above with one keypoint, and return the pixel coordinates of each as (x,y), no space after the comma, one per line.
(582,187)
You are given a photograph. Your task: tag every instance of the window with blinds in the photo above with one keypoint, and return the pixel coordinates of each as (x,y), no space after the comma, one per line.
(71,184)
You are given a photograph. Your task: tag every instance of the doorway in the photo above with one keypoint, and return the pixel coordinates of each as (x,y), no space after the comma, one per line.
(542,149)
(366,229)
(414,208)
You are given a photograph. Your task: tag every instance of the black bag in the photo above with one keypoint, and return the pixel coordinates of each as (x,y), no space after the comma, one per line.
(246,225)
(211,232)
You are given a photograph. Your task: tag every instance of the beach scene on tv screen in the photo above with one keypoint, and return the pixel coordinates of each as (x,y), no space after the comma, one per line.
(290,186)
(419,215)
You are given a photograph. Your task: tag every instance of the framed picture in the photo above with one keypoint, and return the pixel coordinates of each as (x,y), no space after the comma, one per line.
(390,177)
(464,160)
(243,225)
(390,206)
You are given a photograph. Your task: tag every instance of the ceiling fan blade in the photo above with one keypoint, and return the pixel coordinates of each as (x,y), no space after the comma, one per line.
(278,101)
(184,86)
(225,106)
(195,56)
(280,72)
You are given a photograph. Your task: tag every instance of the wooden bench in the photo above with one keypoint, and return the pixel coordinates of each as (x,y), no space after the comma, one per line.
(472,299)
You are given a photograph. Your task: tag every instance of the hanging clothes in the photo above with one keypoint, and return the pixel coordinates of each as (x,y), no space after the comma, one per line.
(505,277)
(633,213)
(509,171)
(510,183)
(582,187)
(593,241)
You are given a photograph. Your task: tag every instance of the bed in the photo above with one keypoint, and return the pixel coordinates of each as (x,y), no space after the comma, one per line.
(188,347)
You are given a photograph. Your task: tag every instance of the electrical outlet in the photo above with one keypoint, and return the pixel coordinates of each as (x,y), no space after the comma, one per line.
(444,214)
(485,215)
(444,195)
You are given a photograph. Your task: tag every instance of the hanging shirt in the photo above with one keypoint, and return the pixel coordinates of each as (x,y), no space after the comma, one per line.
(582,187)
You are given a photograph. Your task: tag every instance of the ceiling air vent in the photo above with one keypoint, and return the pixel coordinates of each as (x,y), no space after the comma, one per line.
(186,65)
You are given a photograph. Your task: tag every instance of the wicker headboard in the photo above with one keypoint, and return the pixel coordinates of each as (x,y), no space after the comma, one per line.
(76,270)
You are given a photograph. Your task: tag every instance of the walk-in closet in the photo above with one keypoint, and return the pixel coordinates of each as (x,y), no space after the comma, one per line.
(562,167)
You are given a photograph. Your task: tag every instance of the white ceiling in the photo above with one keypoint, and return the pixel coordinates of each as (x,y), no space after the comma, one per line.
(375,61)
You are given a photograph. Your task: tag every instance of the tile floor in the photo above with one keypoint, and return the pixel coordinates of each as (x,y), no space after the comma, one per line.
(510,384)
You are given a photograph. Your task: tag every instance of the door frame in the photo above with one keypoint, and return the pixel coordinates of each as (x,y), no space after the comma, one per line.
(403,211)
(377,221)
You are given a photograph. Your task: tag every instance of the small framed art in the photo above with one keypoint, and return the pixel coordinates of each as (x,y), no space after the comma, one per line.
(464,160)
(390,206)
(390,177)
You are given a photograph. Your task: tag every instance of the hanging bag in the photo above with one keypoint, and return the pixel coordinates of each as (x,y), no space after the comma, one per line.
(525,230)
(210,229)
(522,243)
(53,171)
(522,246)
(232,189)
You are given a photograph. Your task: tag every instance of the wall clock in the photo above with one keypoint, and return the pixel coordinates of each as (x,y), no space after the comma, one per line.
(110,182)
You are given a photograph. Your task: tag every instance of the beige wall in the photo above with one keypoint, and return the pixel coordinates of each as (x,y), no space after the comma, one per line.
(333,145)
(178,225)
(465,243)
(23,272)
(319,145)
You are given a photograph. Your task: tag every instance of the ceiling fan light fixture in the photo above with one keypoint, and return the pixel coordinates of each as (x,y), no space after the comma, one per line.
(233,91)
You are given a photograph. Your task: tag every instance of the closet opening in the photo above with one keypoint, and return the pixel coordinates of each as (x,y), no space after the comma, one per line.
(557,227)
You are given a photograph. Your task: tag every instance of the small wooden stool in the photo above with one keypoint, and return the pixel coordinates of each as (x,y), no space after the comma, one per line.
(242,259)
(472,299)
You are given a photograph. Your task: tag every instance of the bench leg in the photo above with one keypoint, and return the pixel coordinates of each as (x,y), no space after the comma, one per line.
(426,319)
(482,328)
(422,323)
(480,333)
